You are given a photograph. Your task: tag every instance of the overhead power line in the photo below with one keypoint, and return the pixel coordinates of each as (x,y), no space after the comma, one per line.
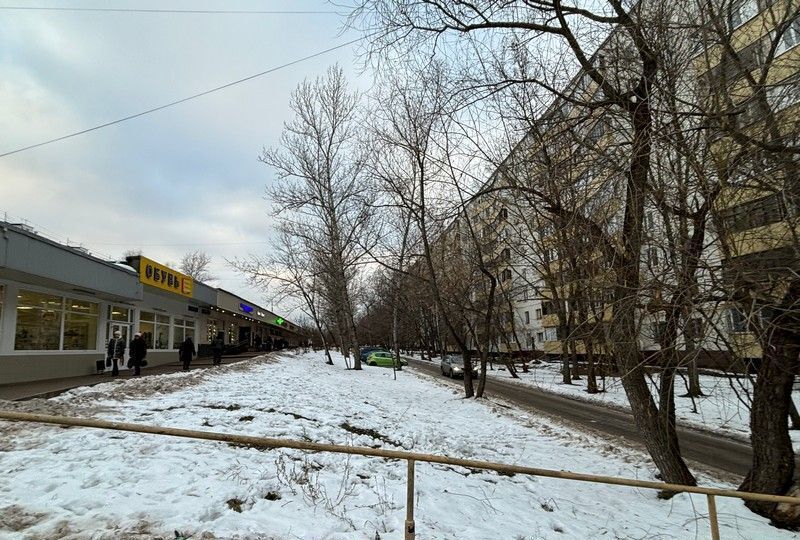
(182,100)
(200,244)
(195,11)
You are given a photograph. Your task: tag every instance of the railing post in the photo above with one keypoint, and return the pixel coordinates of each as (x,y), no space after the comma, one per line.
(410,533)
(712,517)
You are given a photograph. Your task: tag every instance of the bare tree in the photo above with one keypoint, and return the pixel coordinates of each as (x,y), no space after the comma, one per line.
(321,190)
(196,264)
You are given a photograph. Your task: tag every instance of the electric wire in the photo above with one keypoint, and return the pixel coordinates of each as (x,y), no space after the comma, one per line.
(191,11)
(182,100)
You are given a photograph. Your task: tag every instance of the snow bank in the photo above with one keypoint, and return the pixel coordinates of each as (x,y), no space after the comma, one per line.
(81,483)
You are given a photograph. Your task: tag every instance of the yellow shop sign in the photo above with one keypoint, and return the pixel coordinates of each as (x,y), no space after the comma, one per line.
(158,275)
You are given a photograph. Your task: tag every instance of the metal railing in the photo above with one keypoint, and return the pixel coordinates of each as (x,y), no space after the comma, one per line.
(411,458)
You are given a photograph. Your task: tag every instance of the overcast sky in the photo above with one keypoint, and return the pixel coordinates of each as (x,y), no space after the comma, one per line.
(180,179)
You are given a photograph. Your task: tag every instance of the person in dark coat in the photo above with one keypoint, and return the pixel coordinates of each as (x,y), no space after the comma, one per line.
(217,346)
(186,352)
(116,352)
(138,351)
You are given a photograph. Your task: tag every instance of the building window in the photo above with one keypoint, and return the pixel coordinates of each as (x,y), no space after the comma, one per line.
(551,334)
(527,317)
(550,307)
(155,330)
(652,257)
(752,214)
(540,337)
(783,94)
(503,214)
(505,275)
(537,313)
(790,38)
(80,325)
(38,322)
(737,321)
(743,11)
(181,329)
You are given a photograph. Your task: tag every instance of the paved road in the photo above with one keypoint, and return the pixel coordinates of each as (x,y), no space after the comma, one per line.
(713,451)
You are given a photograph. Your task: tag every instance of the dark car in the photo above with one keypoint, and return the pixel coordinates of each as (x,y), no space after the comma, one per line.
(453,366)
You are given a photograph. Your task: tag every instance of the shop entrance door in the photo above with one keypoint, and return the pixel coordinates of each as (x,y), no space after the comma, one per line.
(122,328)
(244,336)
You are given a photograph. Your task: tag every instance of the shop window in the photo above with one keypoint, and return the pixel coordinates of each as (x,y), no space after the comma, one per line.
(38,322)
(181,328)
(212,330)
(80,325)
(155,330)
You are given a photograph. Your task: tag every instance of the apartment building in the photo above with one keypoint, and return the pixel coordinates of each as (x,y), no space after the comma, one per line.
(556,293)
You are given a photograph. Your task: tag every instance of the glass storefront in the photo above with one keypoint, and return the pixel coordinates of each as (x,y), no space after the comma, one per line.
(181,328)
(80,325)
(47,322)
(155,330)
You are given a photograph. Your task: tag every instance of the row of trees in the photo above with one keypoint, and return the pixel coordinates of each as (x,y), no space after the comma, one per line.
(614,149)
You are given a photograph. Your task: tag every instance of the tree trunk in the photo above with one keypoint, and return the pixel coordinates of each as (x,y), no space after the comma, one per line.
(694,379)
(510,366)
(481,375)
(773,457)
(566,377)
(576,374)
(660,440)
(469,390)
(661,444)
(591,377)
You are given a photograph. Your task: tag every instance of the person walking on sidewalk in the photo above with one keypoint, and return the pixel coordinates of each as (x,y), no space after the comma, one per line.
(116,353)
(138,352)
(217,345)
(186,352)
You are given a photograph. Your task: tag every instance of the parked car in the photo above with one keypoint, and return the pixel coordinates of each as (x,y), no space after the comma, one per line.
(383,359)
(366,351)
(453,366)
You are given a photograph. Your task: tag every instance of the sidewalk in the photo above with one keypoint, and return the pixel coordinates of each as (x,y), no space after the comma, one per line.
(53,387)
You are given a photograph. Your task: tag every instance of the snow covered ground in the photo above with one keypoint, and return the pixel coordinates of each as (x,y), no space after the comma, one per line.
(81,483)
(721,410)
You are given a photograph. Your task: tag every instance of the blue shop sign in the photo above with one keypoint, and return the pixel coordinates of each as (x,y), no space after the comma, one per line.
(246,308)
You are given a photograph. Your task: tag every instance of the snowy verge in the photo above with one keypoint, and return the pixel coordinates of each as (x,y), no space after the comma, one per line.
(81,483)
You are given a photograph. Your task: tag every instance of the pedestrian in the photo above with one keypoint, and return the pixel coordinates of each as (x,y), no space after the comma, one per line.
(217,345)
(116,353)
(186,352)
(138,350)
